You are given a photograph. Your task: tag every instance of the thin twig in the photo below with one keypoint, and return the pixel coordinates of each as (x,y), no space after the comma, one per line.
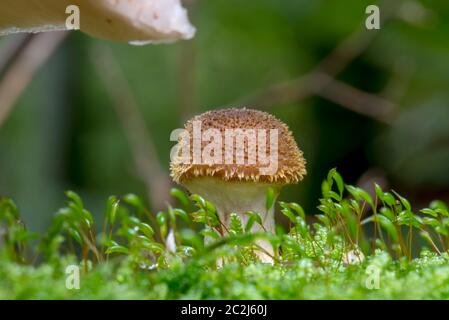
(321,84)
(321,79)
(12,47)
(359,101)
(397,86)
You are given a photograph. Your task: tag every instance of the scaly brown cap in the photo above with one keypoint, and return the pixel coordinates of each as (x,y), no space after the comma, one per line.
(290,163)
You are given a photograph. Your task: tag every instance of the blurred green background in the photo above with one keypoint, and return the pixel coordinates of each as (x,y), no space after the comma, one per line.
(65,133)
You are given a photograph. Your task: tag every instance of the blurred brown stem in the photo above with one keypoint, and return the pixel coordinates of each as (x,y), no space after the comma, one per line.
(186,80)
(187,72)
(133,124)
(358,101)
(18,70)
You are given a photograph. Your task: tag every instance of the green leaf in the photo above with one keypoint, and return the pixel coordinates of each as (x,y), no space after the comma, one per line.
(172,216)
(302,227)
(334,175)
(153,246)
(298,209)
(442,212)
(199,216)
(360,194)
(388,226)
(404,201)
(190,237)
(438,204)
(237,240)
(181,196)
(111,209)
(134,201)
(253,218)
(76,235)
(117,249)
(199,201)
(75,198)
(366,196)
(429,212)
(379,191)
(387,213)
(324,219)
(408,218)
(270,198)
(211,216)
(350,219)
(146,229)
(355,206)
(235,224)
(441,230)
(431,221)
(8,210)
(185,251)
(289,214)
(325,189)
(211,208)
(388,199)
(209,233)
(182,214)
(334,195)
(161,219)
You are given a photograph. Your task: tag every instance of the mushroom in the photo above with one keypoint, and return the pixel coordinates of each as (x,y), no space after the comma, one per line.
(135,21)
(228,175)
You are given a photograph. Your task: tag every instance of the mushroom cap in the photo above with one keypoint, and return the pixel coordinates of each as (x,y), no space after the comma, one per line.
(291,165)
(136,21)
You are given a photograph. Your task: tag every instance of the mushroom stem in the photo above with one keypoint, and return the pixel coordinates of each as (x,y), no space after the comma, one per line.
(239,197)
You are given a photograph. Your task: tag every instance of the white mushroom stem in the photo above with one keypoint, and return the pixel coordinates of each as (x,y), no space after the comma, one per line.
(240,198)
(137,21)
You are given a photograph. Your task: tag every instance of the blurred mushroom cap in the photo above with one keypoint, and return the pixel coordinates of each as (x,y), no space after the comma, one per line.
(291,165)
(135,21)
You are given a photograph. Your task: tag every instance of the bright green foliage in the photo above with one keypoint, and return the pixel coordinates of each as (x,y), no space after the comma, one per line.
(361,246)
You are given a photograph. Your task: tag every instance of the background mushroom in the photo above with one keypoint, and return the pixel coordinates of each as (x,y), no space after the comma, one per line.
(239,188)
(137,21)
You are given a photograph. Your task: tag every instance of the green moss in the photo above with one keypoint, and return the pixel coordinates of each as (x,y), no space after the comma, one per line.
(128,256)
